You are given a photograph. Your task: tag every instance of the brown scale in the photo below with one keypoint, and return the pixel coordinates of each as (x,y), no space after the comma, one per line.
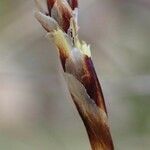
(92,85)
(73,4)
(50,4)
(64,11)
(63,56)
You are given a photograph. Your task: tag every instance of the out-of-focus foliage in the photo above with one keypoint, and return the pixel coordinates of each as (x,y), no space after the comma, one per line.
(36,111)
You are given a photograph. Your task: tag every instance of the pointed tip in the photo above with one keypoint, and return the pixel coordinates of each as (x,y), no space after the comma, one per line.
(41,6)
(47,22)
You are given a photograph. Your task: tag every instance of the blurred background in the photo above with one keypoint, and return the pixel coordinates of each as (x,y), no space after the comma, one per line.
(36,111)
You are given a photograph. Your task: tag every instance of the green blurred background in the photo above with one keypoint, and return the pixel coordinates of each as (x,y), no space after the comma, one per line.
(36,111)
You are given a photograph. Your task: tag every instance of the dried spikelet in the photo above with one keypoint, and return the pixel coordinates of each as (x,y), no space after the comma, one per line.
(59,18)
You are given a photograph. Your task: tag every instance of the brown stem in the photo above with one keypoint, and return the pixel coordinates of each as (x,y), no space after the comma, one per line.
(94,118)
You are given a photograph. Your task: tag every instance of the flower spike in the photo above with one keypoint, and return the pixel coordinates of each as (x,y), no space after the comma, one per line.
(59,18)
